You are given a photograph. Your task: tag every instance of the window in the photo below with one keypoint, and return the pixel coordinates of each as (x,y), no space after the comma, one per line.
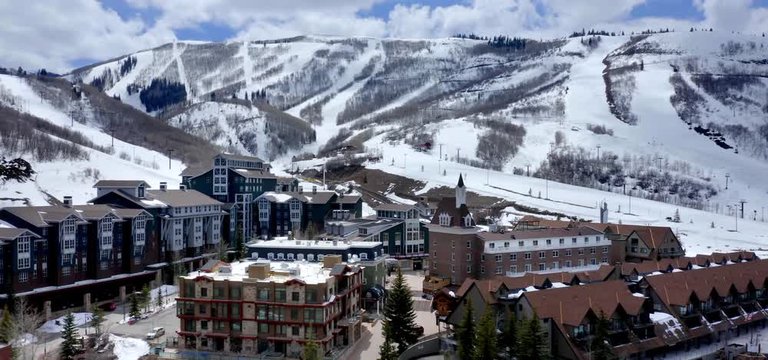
(469,269)
(469,244)
(469,257)
(605,250)
(520,243)
(586,239)
(555,265)
(498,269)
(482,269)
(542,266)
(295,296)
(562,241)
(527,267)
(204,292)
(203,324)
(593,261)
(573,240)
(535,242)
(549,242)
(581,251)
(513,257)
(491,245)
(513,269)
(263,294)
(498,258)
(555,253)
(23,277)
(542,254)
(591,250)
(23,247)
(567,263)
(527,256)
(295,330)
(567,252)
(203,309)
(445,219)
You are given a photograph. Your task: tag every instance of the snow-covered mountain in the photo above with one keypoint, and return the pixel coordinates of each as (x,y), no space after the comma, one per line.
(75,136)
(672,116)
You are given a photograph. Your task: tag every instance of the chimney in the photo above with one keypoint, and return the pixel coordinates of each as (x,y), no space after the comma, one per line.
(330,261)
(163,186)
(67,201)
(314,189)
(258,271)
(183,187)
(301,189)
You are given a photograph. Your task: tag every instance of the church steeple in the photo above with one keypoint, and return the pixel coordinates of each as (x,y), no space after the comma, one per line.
(461,192)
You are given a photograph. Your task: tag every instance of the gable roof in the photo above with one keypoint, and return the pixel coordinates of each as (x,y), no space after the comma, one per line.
(447,205)
(676,288)
(94,212)
(259,174)
(569,305)
(10,234)
(42,216)
(116,184)
(195,171)
(176,198)
(348,198)
(530,220)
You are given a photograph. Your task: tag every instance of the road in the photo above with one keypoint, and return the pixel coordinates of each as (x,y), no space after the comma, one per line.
(165,318)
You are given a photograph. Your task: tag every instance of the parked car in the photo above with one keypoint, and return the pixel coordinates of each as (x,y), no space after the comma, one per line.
(110,306)
(420,330)
(155,333)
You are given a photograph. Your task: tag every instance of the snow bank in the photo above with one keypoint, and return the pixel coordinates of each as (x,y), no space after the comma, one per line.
(56,325)
(128,348)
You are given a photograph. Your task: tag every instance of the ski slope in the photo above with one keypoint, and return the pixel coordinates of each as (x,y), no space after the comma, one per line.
(76,178)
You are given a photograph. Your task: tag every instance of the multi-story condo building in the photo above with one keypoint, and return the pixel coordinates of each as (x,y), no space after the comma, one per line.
(238,180)
(58,247)
(282,212)
(369,255)
(412,241)
(271,308)
(187,224)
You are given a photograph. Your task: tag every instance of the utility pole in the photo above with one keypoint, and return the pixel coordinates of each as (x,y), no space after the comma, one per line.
(457,154)
(170,151)
(112,132)
(528,170)
(598,153)
(441,150)
(727,175)
(742,207)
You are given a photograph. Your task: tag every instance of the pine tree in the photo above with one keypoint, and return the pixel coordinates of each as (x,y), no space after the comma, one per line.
(6,327)
(531,345)
(676,218)
(68,332)
(600,349)
(311,350)
(399,317)
(509,336)
(486,341)
(135,310)
(465,334)
(160,297)
(146,296)
(97,319)
(387,350)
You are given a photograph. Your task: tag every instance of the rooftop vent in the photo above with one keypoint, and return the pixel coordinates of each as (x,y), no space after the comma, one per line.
(67,201)
(163,186)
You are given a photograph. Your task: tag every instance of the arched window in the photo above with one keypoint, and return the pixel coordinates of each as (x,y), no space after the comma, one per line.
(445,219)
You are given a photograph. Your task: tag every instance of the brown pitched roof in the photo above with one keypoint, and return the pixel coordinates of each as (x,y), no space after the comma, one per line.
(570,305)
(676,288)
(41,216)
(176,198)
(348,199)
(530,220)
(119,184)
(195,171)
(94,212)
(12,233)
(487,288)
(537,234)
(448,205)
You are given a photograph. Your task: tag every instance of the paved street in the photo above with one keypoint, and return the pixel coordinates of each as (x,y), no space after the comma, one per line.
(166,318)
(368,346)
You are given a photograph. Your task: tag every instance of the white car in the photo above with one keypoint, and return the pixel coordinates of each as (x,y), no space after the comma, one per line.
(155,333)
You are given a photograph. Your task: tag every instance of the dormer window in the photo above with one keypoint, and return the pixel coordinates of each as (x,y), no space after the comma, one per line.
(445,219)
(468,221)
(140,192)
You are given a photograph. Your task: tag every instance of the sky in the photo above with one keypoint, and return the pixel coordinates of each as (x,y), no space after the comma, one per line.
(61,35)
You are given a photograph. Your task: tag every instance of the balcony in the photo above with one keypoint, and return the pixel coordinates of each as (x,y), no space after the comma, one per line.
(691,320)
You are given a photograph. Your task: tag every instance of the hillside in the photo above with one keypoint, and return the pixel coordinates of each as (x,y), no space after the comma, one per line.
(66,133)
(669,117)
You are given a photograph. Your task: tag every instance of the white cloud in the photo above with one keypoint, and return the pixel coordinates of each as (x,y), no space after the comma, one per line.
(52,34)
